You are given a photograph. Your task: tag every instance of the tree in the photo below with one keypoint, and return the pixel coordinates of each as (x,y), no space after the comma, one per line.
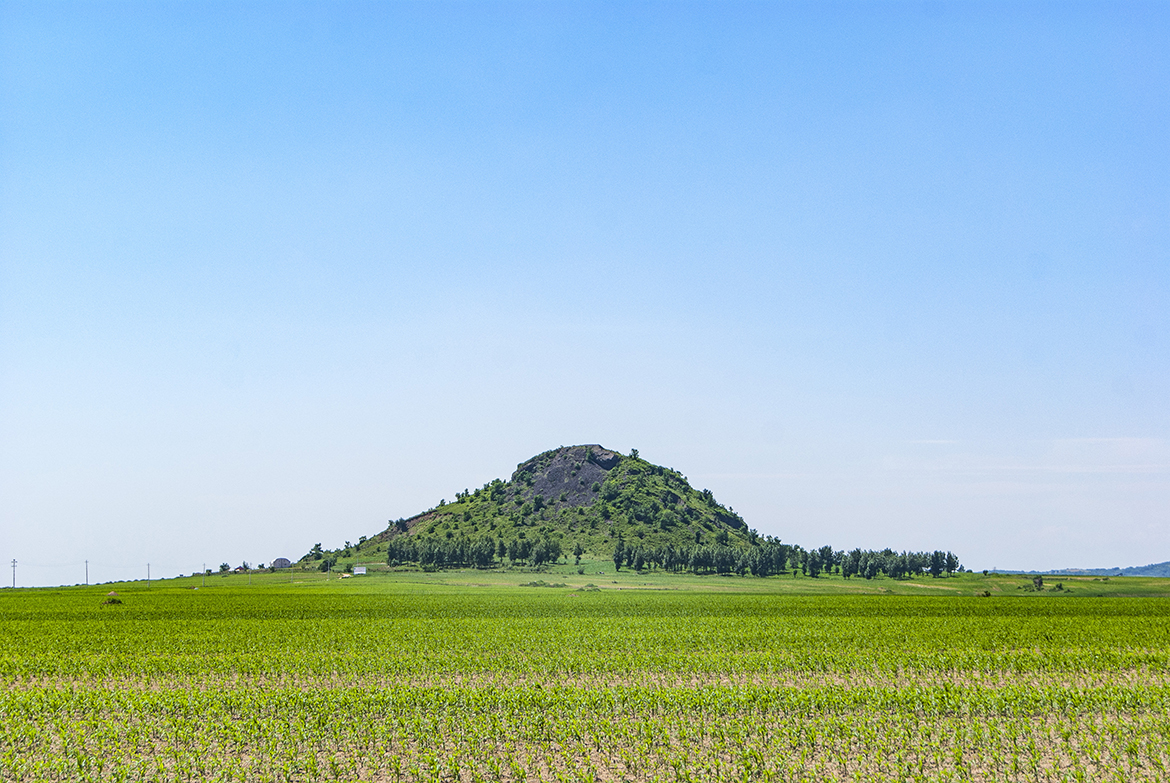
(742,564)
(828,558)
(898,566)
(619,554)
(812,563)
(633,453)
(725,559)
(851,563)
(952,563)
(224,568)
(578,550)
(546,550)
(937,561)
(870,565)
(482,552)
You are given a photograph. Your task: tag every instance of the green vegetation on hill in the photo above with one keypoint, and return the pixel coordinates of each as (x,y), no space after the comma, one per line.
(585,497)
(586,494)
(590,501)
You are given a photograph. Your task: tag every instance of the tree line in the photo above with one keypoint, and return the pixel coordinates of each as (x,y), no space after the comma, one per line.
(473,553)
(768,557)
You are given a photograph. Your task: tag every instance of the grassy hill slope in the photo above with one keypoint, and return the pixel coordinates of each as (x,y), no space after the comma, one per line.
(586,495)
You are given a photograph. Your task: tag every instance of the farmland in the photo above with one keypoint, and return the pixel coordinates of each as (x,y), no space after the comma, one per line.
(472,677)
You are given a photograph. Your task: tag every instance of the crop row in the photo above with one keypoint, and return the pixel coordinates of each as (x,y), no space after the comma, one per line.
(470,734)
(401,637)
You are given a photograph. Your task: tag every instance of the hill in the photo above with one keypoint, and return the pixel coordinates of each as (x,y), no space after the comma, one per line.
(593,502)
(574,495)
(1154,569)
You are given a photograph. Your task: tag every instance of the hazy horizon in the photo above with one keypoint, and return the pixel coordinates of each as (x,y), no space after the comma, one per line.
(877,274)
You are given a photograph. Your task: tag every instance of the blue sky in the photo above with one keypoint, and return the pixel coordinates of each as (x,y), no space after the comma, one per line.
(878,274)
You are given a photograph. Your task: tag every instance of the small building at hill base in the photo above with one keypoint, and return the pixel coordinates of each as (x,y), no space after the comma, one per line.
(281,562)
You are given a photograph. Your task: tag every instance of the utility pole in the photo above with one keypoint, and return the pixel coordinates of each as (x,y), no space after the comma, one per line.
(203,576)
(148,576)
(87,573)
(14,573)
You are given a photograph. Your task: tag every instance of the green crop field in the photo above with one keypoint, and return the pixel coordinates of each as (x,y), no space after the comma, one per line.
(467,676)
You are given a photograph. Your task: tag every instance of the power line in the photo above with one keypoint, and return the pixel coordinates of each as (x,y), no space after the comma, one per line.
(123,572)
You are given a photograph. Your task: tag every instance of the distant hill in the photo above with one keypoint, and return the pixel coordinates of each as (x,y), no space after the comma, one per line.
(589,500)
(1154,569)
(581,494)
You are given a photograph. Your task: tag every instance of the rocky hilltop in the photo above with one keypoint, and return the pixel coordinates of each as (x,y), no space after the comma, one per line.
(570,471)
